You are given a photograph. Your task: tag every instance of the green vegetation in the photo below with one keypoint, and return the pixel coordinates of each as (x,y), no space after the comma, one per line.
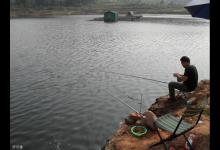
(39,8)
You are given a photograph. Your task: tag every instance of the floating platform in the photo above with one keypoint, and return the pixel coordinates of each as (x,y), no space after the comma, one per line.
(121,18)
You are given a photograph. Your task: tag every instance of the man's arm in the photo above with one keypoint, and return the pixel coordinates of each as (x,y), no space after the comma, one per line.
(180,77)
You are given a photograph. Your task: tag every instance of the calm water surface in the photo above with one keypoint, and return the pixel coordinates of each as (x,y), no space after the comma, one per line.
(56,79)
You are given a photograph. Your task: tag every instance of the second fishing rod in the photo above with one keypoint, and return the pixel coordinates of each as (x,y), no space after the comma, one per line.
(123,102)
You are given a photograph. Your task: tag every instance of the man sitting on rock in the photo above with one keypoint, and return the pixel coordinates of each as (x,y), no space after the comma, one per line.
(187,82)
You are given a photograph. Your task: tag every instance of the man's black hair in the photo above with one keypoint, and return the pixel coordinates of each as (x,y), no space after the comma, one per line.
(185,59)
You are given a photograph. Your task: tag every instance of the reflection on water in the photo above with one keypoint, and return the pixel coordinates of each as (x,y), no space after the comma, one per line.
(56,74)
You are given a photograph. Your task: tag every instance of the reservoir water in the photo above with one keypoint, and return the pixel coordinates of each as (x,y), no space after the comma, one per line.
(57,100)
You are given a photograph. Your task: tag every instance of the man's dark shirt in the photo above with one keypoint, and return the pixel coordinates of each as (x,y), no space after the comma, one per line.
(192,74)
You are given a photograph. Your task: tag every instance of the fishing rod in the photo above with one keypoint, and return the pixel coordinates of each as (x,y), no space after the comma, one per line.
(130,97)
(141,102)
(123,102)
(136,77)
(133,99)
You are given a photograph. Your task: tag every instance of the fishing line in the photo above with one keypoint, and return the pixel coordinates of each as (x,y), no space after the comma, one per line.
(94,69)
(133,99)
(121,101)
(130,97)
(134,76)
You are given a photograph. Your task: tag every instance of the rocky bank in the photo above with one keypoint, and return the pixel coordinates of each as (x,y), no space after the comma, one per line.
(124,140)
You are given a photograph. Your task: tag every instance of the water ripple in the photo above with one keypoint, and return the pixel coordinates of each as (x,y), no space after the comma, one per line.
(57,100)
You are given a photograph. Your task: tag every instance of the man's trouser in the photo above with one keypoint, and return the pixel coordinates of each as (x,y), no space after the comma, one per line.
(176,85)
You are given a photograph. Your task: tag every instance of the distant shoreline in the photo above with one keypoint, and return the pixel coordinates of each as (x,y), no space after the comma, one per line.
(18,12)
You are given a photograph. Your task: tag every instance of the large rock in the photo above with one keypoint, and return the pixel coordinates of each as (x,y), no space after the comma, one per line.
(162,106)
(123,140)
(149,119)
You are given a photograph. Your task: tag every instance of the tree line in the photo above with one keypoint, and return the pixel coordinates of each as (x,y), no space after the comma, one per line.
(40,3)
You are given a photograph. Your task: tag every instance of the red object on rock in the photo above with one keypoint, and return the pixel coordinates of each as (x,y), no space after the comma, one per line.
(134,116)
(172,148)
(182,148)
